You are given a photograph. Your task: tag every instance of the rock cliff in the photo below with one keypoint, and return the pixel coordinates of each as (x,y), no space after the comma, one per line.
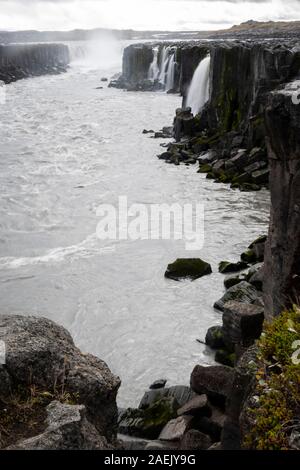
(22,61)
(282,268)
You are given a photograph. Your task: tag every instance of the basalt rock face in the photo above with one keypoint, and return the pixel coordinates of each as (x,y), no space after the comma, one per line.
(41,356)
(137,59)
(282,256)
(22,61)
(241,76)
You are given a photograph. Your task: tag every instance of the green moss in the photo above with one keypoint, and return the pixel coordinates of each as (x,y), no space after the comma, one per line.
(228,267)
(248,256)
(277,385)
(225,357)
(192,268)
(260,239)
(205,168)
(148,422)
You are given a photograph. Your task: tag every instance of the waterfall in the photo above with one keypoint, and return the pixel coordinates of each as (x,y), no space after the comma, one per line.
(164,65)
(171,73)
(154,68)
(198,93)
(163,69)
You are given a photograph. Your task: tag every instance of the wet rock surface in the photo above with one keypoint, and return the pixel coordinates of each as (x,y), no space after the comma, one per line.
(192,268)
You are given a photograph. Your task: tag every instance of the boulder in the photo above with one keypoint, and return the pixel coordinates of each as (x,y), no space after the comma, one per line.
(249,256)
(242,323)
(214,337)
(192,268)
(197,406)
(242,292)
(67,429)
(213,381)
(231,281)
(41,353)
(260,176)
(228,267)
(256,278)
(195,440)
(148,422)
(176,428)
(225,356)
(240,159)
(180,393)
(158,384)
(184,123)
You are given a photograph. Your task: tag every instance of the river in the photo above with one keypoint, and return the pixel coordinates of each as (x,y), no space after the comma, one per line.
(66,148)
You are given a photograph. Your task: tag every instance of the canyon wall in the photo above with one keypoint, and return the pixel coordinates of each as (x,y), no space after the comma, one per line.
(282,259)
(22,61)
(241,76)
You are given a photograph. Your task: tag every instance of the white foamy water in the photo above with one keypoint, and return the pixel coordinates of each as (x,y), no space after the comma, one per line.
(198,93)
(66,148)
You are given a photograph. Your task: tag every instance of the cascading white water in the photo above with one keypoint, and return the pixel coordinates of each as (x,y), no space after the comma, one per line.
(164,65)
(198,93)
(154,68)
(171,73)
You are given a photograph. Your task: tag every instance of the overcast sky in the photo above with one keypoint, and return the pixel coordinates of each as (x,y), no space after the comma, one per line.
(141,14)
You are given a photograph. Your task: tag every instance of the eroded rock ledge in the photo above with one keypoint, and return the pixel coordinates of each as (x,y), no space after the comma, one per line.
(51,394)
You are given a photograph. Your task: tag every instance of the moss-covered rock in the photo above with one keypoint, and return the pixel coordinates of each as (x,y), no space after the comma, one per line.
(214,337)
(225,357)
(228,267)
(204,168)
(242,292)
(260,239)
(148,422)
(192,268)
(249,256)
(231,281)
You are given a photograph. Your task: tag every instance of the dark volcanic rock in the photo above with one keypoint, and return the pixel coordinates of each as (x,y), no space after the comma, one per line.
(181,393)
(228,267)
(148,422)
(282,256)
(191,268)
(242,323)
(158,384)
(214,337)
(242,292)
(184,123)
(42,353)
(197,406)
(214,381)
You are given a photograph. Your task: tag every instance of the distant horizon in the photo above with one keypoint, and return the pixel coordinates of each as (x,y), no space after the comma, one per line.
(140,15)
(140,30)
